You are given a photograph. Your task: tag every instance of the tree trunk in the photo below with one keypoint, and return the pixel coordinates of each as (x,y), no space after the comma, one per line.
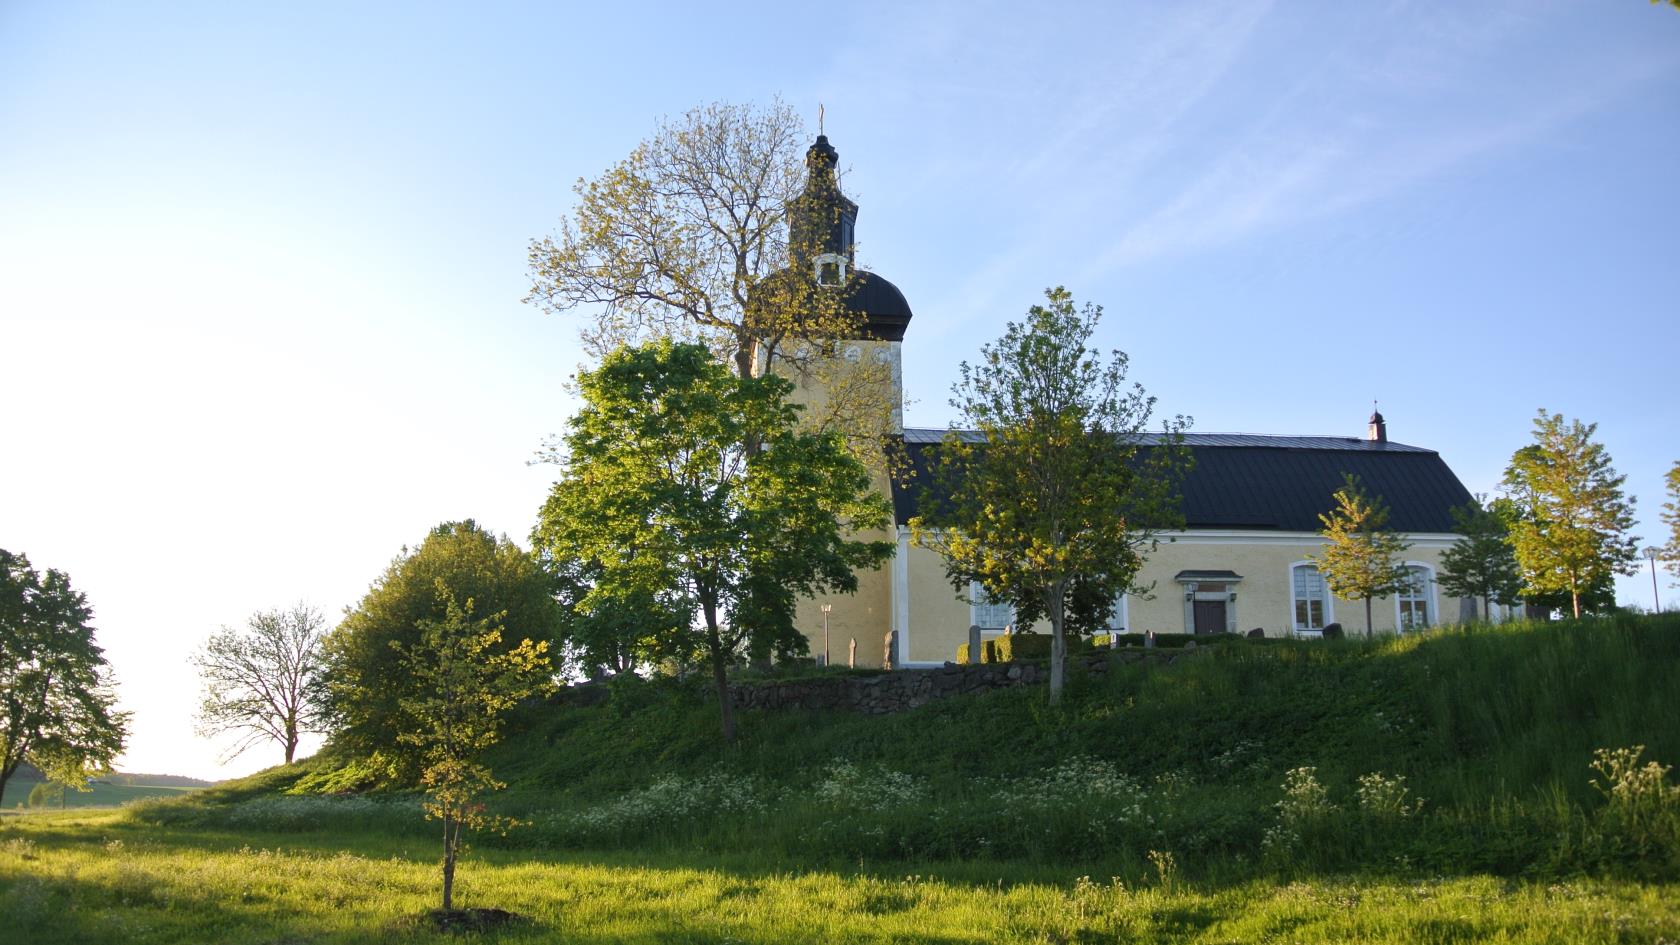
(1058,648)
(291,743)
(5,776)
(1367,618)
(720,671)
(448,864)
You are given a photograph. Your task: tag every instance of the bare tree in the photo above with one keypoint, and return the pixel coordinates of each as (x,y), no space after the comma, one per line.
(713,230)
(263,682)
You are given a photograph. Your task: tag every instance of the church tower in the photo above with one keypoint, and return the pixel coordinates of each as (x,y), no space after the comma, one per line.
(855,378)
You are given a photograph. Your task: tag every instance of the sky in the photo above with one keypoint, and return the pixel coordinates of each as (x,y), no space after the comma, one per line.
(262,266)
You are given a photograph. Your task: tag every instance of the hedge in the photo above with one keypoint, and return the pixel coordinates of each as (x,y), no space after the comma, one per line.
(1019,646)
(1168,640)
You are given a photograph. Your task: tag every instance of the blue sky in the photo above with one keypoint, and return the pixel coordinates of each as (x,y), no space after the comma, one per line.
(261,267)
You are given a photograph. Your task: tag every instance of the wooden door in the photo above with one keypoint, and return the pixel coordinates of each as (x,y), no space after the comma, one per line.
(1210,616)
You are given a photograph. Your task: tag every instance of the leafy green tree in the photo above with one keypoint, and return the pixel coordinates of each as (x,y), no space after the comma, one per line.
(462,680)
(1481,564)
(1572,531)
(57,710)
(264,682)
(1054,505)
(1358,560)
(612,629)
(46,794)
(365,680)
(666,507)
(1671,518)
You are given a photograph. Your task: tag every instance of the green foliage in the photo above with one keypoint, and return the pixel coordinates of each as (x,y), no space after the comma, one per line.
(264,683)
(365,679)
(1481,564)
(690,498)
(1571,535)
(463,681)
(1018,646)
(1053,509)
(1103,641)
(1671,517)
(1358,560)
(57,709)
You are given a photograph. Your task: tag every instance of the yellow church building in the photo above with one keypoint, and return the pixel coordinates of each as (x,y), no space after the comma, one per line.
(1251,503)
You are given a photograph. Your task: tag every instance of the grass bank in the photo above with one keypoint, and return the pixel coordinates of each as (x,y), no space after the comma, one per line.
(1459,751)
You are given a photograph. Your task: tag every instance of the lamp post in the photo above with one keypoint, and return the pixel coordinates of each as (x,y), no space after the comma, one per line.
(1651,556)
(825,609)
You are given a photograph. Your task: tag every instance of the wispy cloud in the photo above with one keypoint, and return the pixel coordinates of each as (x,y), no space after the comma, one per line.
(1314,171)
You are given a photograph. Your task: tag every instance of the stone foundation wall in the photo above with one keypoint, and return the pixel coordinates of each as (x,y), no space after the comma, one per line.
(908,688)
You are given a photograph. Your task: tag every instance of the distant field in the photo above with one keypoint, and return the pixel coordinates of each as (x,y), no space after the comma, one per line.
(99,795)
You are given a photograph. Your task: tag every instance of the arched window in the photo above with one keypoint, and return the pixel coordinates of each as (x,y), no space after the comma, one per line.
(1311,600)
(1416,602)
(987,614)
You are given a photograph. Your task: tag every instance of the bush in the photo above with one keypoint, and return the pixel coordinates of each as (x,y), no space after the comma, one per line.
(1019,646)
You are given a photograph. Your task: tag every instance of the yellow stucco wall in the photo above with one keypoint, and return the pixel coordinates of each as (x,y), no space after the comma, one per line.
(937,622)
(865,616)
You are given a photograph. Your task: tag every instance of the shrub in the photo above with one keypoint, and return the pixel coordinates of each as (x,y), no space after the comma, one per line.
(1025,646)
(1103,641)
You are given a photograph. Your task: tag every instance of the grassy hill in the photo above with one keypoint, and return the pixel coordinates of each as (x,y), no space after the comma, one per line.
(1427,790)
(1494,729)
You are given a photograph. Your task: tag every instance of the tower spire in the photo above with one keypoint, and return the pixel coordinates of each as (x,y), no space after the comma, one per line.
(821,221)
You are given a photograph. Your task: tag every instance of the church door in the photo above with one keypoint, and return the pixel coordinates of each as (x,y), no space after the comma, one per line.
(1210,616)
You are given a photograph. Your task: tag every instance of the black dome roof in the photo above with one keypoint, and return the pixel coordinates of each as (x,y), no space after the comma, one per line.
(885,311)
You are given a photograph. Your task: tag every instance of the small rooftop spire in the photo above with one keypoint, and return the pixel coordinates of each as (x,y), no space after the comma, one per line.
(820,119)
(1377,430)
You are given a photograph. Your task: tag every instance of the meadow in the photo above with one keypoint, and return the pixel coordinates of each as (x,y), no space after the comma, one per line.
(1502,784)
(105,877)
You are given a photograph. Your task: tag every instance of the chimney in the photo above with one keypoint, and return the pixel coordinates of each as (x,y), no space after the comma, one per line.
(1377,431)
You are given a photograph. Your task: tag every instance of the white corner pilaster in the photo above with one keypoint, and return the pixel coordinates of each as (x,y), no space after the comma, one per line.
(901,594)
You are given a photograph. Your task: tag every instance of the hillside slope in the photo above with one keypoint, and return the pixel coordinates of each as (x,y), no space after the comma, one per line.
(1494,729)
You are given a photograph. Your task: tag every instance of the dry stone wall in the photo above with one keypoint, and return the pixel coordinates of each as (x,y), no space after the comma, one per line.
(904,689)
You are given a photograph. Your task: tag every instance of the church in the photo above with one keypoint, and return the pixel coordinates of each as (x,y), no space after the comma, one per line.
(1242,562)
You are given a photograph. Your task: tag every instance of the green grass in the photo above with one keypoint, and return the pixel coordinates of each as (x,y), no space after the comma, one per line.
(1150,806)
(103,876)
(1494,729)
(1465,714)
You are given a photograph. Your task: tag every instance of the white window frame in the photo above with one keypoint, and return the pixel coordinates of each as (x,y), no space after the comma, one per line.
(1121,620)
(1329,599)
(1430,598)
(978,599)
(835,259)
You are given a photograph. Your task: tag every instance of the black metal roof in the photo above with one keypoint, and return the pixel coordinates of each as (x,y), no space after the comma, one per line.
(1273,483)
